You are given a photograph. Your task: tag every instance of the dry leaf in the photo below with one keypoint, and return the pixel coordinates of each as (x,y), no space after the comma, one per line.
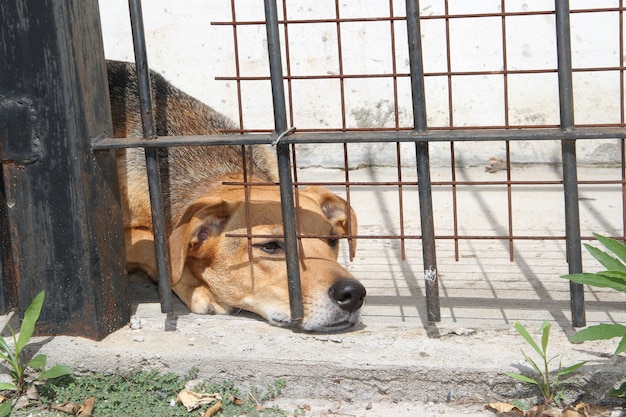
(573,412)
(502,407)
(3,399)
(552,412)
(535,410)
(214,409)
(592,410)
(31,393)
(21,402)
(87,408)
(68,407)
(192,400)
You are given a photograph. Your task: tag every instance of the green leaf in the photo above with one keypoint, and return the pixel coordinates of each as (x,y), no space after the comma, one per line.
(545,328)
(621,346)
(607,261)
(619,392)
(616,276)
(606,279)
(532,363)
(38,362)
(613,245)
(28,324)
(521,378)
(4,346)
(5,408)
(522,330)
(55,372)
(570,369)
(6,358)
(8,386)
(599,332)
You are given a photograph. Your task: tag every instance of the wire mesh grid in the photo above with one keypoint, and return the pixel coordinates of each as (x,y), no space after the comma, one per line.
(496,197)
(482,66)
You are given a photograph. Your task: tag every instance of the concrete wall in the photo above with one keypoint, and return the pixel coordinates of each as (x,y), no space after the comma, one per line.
(190,52)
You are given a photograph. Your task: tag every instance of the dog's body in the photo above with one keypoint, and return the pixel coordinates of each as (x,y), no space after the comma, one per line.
(212,270)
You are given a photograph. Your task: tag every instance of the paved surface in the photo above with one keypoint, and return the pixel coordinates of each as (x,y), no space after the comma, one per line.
(397,363)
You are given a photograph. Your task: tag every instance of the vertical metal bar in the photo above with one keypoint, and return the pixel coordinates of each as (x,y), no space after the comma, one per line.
(622,116)
(505,79)
(568,149)
(152,157)
(284,163)
(423,161)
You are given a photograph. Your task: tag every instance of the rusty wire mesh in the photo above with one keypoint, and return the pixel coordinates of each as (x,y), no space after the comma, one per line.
(390,77)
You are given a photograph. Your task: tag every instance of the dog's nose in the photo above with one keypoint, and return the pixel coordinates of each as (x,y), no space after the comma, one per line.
(348,294)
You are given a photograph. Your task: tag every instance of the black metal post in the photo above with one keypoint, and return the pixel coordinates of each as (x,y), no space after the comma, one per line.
(423,161)
(152,157)
(62,199)
(7,287)
(284,162)
(568,148)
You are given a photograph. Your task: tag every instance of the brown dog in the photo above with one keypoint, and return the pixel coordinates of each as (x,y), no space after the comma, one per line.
(212,270)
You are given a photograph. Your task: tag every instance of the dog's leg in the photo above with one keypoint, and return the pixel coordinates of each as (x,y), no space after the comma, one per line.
(140,250)
(197,296)
(194,293)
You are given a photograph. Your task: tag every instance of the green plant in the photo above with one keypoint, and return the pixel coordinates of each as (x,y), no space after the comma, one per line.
(137,392)
(550,390)
(613,277)
(13,356)
(143,393)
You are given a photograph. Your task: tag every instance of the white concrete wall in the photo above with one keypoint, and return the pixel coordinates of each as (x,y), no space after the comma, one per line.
(190,52)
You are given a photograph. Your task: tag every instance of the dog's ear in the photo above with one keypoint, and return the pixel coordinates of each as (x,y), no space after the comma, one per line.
(338,212)
(204,218)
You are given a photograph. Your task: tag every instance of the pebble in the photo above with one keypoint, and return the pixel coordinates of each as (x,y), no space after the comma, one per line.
(135,323)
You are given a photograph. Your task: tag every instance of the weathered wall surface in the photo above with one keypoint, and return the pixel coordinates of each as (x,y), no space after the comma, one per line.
(190,52)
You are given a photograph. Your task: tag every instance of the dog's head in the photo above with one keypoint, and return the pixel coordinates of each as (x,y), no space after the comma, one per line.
(237,249)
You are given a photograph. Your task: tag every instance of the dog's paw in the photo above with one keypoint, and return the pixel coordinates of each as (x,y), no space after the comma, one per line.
(202,303)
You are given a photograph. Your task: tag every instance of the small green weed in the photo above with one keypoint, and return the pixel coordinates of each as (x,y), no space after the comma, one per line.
(141,393)
(15,361)
(551,391)
(613,277)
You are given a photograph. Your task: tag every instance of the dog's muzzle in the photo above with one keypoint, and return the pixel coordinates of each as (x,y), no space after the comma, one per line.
(338,312)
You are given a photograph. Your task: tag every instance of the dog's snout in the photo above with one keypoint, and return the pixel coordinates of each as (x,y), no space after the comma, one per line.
(348,294)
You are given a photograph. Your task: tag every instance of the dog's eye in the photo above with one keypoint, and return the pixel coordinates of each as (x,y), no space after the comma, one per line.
(272,247)
(332,242)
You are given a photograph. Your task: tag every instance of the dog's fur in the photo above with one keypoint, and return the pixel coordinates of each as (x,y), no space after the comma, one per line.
(212,271)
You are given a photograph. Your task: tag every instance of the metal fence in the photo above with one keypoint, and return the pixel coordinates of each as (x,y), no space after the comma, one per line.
(420,134)
(288,141)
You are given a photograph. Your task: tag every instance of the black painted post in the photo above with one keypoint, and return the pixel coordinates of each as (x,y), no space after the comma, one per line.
(7,290)
(62,199)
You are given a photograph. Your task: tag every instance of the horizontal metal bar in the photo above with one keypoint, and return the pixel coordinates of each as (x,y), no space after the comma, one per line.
(460,135)
(358,76)
(424,17)
(399,236)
